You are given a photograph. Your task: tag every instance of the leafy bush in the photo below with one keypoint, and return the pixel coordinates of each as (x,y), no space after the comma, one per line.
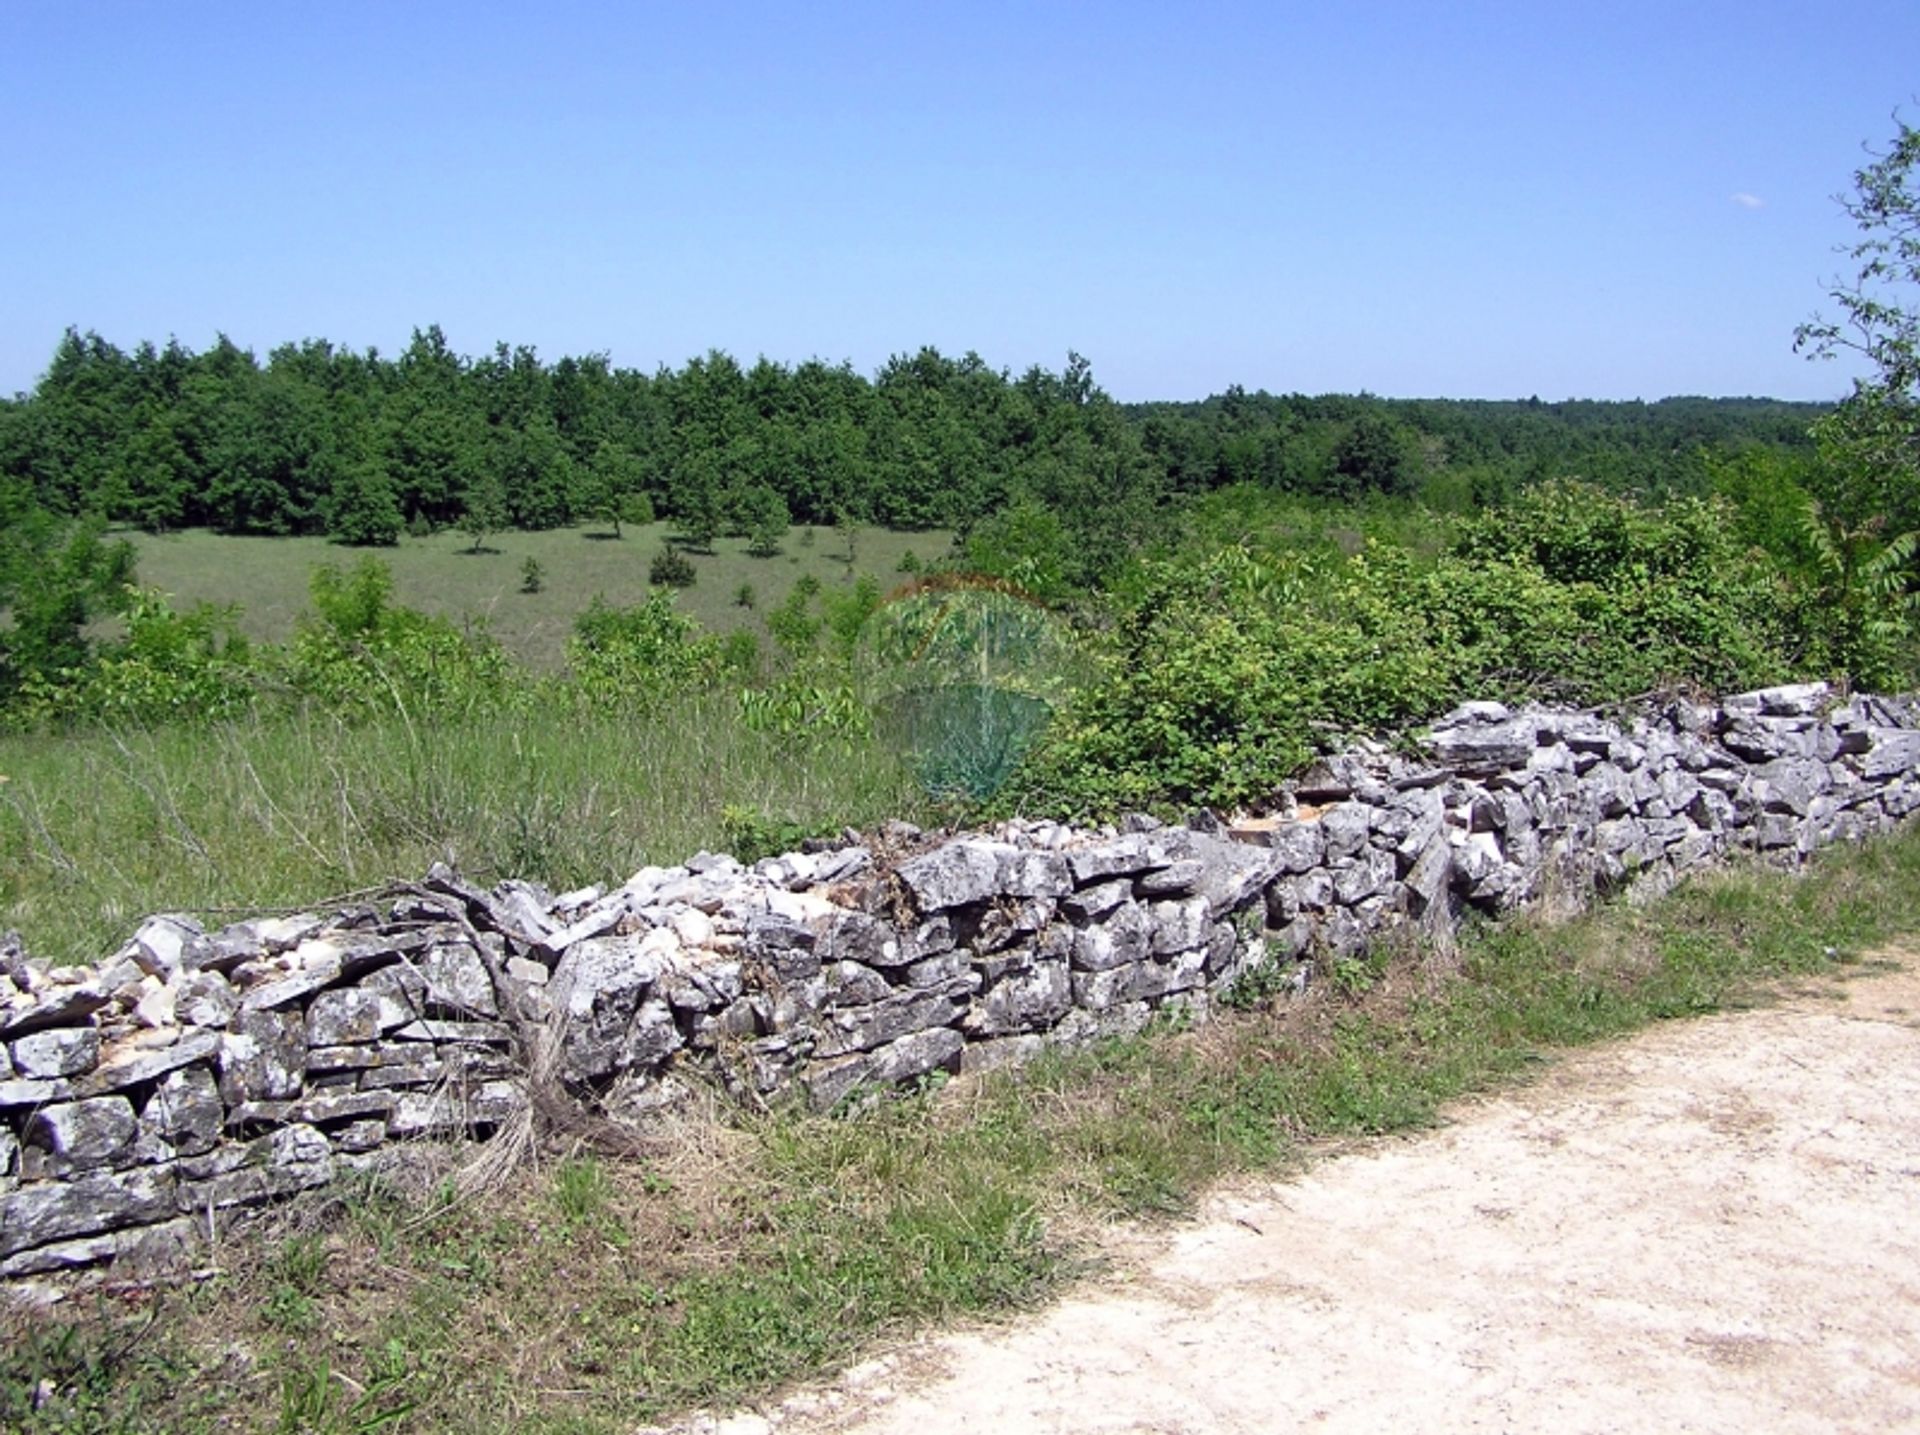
(1222,676)
(170,667)
(359,653)
(641,654)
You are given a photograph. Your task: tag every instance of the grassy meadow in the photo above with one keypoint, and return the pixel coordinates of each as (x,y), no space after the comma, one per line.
(441,574)
(97,829)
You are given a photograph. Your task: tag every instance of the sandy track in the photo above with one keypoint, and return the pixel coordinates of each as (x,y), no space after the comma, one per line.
(1714,1226)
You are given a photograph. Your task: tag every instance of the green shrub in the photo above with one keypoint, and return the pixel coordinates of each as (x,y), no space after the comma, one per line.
(671,569)
(639,654)
(1223,675)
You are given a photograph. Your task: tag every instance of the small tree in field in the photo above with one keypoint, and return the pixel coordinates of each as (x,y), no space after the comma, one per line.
(485,512)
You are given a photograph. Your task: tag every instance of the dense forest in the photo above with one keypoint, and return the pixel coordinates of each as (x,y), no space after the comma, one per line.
(321,439)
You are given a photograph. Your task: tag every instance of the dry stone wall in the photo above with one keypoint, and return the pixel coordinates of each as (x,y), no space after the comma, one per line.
(194,1072)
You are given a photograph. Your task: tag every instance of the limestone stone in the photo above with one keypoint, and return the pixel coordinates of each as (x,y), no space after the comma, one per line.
(164,944)
(957,874)
(1369,873)
(1025,873)
(1481,745)
(1346,826)
(1026,1001)
(263,1056)
(830,1083)
(61,1051)
(185,1111)
(991,1055)
(1096,901)
(847,1029)
(352,1015)
(857,937)
(77,1136)
(1125,856)
(48,1211)
(457,980)
(1122,937)
(135,1061)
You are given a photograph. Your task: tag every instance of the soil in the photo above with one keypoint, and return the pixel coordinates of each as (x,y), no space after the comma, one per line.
(1713,1226)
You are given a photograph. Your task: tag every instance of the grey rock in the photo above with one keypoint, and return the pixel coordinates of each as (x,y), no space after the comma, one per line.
(1027,1001)
(983,1056)
(1123,937)
(263,1056)
(1007,921)
(955,875)
(319,970)
(1346,826)
(1177,926)
(1126,856)
(476,1033)
(937,971)
(58,1006)
(1431,872)
(1371,872)
(857,937)
(1481,746)
(77,1136)
(205,999)
(1298,846)
(457,980)
(185,1111)
(20,1093)
(61,1051)
(353,1015)
(848,1029)
(1091,903)
(164,945)
(133,1063)
(830,1083)
(49,1211)
(1035,874)
(292,1159)
(1894,752)
(854,984)
(1172,880)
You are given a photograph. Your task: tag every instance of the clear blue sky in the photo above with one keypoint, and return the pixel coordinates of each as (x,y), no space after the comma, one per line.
(1458,199)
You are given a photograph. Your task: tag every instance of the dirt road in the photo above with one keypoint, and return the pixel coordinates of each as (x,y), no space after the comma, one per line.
(1714,1226)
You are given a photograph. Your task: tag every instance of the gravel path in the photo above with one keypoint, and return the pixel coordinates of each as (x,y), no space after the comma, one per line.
(1714,1226)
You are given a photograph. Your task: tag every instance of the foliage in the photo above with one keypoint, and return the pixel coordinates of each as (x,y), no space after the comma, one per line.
(57,576)
(671,568)
(533,577)
(639,655)
(1876,429)
(1221,676)
(360,654)
(190,667)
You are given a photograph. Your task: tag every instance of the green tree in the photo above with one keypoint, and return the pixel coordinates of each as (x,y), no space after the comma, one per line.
(56,576)
(767,521)
(1873,437)
(485,511)
(361,509)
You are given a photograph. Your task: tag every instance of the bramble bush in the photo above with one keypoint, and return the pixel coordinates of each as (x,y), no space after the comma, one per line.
(1221,678)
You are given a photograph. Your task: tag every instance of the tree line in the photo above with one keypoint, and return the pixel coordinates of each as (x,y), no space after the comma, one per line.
(320,439)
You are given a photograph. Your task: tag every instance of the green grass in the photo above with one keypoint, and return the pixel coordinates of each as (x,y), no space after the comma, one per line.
(98,829)
(267,577)
(594,1294)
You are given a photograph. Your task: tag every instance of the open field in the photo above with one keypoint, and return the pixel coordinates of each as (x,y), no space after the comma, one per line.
(97,829)
(268,577)
(588,1293)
